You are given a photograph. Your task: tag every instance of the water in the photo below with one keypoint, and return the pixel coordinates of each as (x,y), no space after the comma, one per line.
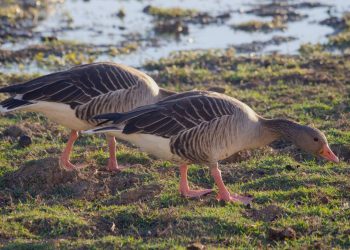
(95,22)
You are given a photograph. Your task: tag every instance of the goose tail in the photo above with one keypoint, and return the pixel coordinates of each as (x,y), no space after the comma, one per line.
(13,103)
(103,129)
(118,118)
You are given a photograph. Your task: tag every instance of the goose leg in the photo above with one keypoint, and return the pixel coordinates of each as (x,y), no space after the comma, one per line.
(184,187)
(112,161)
(224,194)
(65,156)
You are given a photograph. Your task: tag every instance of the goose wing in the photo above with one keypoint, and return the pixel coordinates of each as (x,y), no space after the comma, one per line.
(175,113)
(77,85)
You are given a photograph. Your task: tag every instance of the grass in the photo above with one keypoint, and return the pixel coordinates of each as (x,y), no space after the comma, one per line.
(165,13)
(341,39)
(141,208)
(253,26)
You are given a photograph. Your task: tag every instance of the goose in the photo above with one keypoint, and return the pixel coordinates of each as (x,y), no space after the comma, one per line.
(205,127)
(72,96)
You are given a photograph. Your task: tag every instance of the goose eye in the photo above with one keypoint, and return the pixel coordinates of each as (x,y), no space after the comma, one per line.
(315,139)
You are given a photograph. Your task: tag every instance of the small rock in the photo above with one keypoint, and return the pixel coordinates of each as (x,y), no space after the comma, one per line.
(224,15)
(298,203)
(146,9)
(260,172)
(121,13)
(289,233)
(112,227)
(267,214)
(48,38)
(345,206)
(324,200)
(195,246)
(24,141)
(282,234)
(249,206)
(290,167)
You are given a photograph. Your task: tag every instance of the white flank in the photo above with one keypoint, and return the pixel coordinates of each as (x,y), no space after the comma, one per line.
(152,144)
(60,113)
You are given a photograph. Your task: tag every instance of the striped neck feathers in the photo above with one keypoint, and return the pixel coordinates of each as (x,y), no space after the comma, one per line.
(307,138)
(273,129)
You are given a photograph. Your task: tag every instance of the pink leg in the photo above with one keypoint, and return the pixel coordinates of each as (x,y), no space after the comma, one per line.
(112,161)
(224,194)
(65,156)
(184,187)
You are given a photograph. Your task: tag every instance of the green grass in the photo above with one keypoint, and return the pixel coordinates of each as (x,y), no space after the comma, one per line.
(164,13)
(253,26)
(313,196)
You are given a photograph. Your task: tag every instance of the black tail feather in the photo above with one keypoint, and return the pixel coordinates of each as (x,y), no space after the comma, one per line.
(12,88)
(107,117)
(12,103)
(117,118)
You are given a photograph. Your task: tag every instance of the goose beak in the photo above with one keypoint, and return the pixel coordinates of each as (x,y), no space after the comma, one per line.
(327,153)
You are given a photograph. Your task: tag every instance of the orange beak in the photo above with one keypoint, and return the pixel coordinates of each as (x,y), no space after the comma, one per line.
(327,153)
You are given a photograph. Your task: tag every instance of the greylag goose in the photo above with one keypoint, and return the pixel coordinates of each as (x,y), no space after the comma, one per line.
(206,127)
(71,97)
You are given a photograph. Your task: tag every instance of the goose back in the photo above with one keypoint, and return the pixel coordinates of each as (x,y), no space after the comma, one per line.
(80,84)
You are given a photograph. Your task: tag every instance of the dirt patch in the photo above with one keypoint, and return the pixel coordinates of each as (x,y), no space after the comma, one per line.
(281,234)
(342,151)
(45,178)
(195,246)
(16,131)
(24,132)
(142,193)
(266,214)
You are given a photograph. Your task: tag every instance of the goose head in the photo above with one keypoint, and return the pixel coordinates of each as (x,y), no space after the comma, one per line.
(305,137)
(314,142)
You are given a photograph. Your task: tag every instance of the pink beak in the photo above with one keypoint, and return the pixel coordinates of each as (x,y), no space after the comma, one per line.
(327,153)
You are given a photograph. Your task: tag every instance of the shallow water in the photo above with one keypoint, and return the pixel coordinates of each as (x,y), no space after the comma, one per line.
(95,22)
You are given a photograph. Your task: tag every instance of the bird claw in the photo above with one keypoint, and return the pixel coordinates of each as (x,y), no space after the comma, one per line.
(235,198)
(114,167)
(67,165)
(195,193)
(117,168)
